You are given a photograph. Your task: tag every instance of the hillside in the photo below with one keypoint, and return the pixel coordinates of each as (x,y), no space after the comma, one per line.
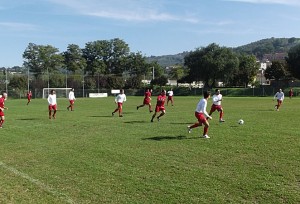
(258,48)
(268,46)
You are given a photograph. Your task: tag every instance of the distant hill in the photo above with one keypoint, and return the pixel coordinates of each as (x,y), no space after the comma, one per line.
(258,48)
(268,46)
(168,60)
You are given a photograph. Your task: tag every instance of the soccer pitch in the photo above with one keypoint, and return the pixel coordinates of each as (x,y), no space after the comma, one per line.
(88,156)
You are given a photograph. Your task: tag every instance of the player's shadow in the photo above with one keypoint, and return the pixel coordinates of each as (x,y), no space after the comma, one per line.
(160,138)
(135,122)
(182,123)
(27,119)
(101,116)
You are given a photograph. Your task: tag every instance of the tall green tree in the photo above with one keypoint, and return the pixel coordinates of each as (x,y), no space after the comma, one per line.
(135,64)
(106,56)
(210,64)
(42,58)
(18,82)
(277,71)
(177,72)
(293,61)
(248,68)
(73,58)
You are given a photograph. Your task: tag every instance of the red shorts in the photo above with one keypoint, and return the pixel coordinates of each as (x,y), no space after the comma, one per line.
(159,108)
(71,102)
(120,105)
(170,98)
(1,113)
(52,107)
(215,107)
(201,117)
(146,101)
(279,102)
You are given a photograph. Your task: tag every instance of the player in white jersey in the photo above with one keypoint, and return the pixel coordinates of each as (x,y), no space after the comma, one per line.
(120,99)
(279,96)
(202,115)
(71,99)
(217,98)
(52,104)
(170,97)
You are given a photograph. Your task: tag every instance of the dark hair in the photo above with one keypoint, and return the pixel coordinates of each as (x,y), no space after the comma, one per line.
(217,90)
(206,94)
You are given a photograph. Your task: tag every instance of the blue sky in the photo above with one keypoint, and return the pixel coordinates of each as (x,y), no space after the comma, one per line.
(152,27)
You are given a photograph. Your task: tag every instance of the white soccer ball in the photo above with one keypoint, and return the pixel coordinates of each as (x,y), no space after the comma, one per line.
(241,122)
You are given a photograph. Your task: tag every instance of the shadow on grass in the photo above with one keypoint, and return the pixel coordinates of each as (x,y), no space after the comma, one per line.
(182,123)
(266,110)
(101,116)
(137,121)
(28,119)
(160,138)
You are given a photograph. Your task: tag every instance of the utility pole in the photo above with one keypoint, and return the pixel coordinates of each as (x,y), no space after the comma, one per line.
(152,73)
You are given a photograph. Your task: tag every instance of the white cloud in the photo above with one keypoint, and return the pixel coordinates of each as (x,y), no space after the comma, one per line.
(17,26)
(283,2)
(128,10)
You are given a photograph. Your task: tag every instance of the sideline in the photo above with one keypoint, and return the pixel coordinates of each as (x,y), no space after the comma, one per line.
(38,183)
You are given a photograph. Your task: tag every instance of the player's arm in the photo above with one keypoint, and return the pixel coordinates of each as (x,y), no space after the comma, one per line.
(2,109)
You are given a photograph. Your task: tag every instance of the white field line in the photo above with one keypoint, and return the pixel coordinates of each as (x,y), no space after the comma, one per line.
(38,183)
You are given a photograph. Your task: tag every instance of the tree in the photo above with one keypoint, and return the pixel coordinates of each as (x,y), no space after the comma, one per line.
(293,61)
(105,57)
(134,82)
(42,58)
(18,82)
(210,64)
(177,72)
(161,81)
(276,71)
(135,64)
(248,68)
(73,58)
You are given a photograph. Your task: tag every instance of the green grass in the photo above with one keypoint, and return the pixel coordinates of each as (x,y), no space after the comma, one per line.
(88,156)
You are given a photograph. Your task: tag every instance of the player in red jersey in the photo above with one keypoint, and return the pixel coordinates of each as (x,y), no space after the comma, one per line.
(2,108)
(160,105)
(29,95)
(147,100)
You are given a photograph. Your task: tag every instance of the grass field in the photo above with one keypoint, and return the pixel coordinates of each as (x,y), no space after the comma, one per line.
(88,156)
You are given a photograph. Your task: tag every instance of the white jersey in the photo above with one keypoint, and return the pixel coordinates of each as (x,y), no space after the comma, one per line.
(170,93)
(201,107)
(279,96)
(52,99)
(71,95)
(217,99)
(120,98)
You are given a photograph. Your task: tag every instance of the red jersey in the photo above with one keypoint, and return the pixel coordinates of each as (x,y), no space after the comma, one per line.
(29,95)
(161,100)
(2,102)
(147,94)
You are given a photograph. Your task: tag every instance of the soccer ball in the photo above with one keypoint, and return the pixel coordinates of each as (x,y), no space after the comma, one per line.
(241,122)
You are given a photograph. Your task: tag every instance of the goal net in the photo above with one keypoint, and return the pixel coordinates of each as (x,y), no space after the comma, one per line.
(60,92)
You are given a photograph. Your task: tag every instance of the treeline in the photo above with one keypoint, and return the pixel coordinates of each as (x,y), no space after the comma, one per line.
(110,64)
(257,48)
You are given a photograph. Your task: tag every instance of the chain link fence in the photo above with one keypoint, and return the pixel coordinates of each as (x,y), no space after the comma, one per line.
(178,91)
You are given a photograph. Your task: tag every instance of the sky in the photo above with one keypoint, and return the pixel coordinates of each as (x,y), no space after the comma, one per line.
(152,27)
